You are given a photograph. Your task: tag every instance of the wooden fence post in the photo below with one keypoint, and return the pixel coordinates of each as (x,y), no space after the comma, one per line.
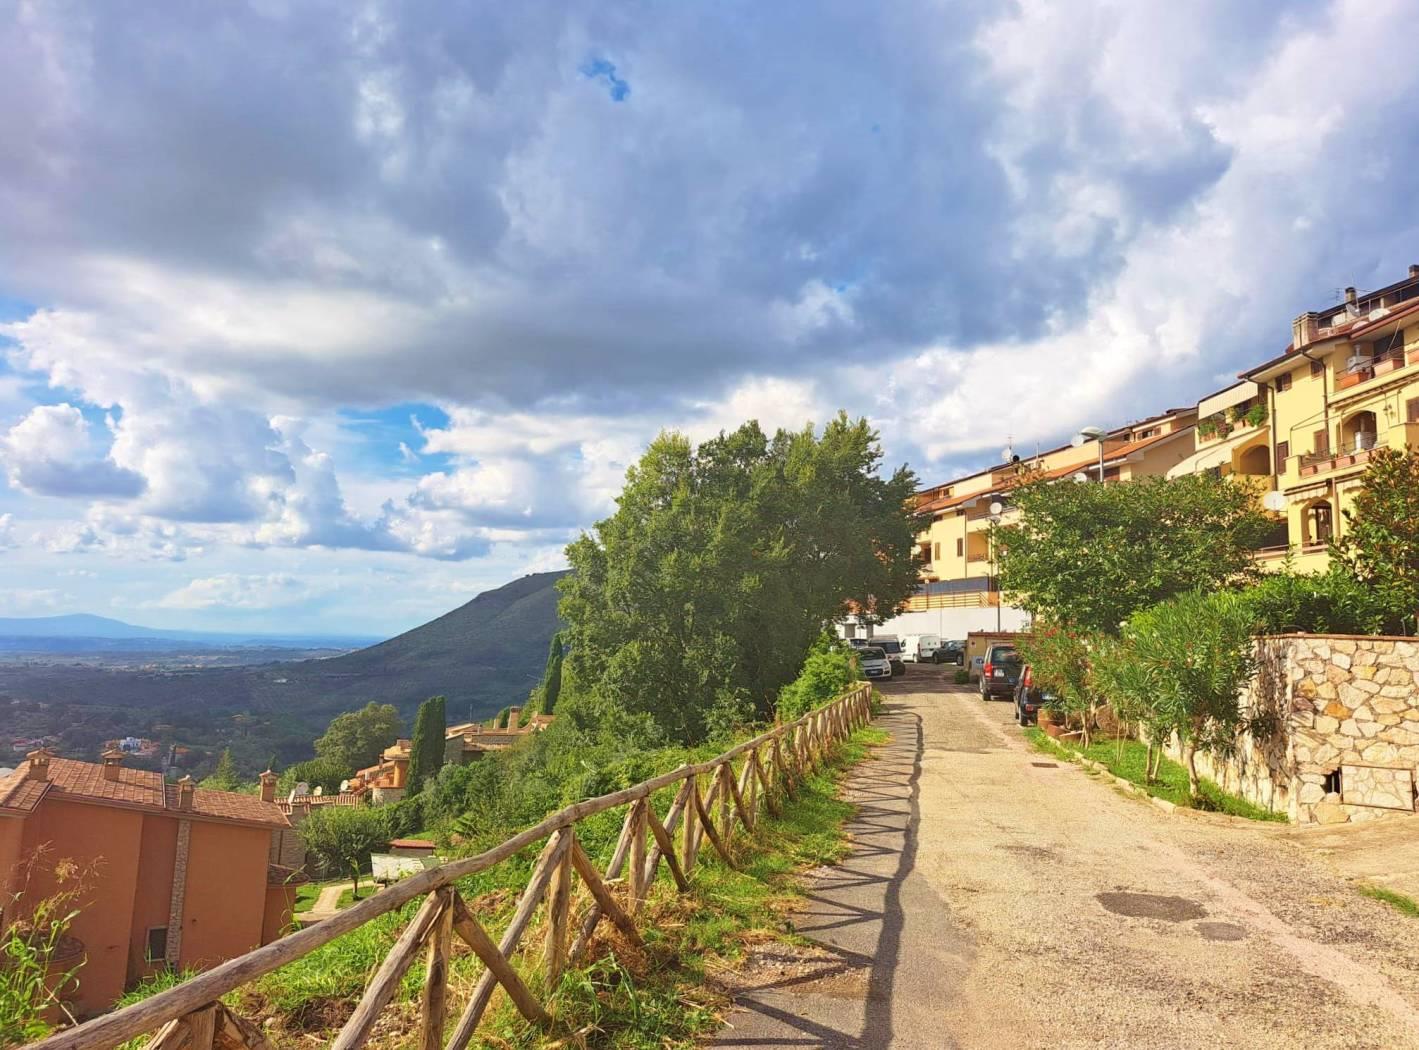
(726,817)
(635,881)
(385,981)
(435,1000)
(691,838)
(559,899)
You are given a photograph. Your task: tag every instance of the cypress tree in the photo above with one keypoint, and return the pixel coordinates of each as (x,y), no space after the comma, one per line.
(426,747)
(552,678)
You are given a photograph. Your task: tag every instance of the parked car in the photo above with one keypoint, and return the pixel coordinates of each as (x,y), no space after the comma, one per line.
(1000,671)
(893,648)
(950,653)
(858,643)
(1029,698)
(874,662)
(920,648)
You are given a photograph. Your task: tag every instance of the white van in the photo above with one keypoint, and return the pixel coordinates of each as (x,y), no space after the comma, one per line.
(920,648)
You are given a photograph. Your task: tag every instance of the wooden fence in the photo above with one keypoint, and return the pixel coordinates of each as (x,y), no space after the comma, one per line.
(713,796)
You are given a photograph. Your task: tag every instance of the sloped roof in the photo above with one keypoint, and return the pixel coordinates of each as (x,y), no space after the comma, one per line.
(77,781)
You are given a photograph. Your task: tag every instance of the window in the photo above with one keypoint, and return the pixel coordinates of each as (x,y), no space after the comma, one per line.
(157,944)
(1322,441)
(1317,367)
(960,548)
(1411,410)
(1283,382)
(936,552)
(1283,453)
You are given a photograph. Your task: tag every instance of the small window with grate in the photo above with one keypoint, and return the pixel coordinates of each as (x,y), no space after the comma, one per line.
(1283,382)
(157,944)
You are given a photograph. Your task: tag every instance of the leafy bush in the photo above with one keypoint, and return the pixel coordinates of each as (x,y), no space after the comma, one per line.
(1059,660)
(962,676)
(1333,602)
(829,670)
(324,773)
(29,947)
(1196,654)
(1380,542)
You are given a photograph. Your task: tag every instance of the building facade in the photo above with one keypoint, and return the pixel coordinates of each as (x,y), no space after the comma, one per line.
(168,875)
(1303,424)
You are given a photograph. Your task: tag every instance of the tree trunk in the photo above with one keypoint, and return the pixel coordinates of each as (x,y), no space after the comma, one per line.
(1190,754)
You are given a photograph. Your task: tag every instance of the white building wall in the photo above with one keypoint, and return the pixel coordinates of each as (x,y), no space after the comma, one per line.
(950,624)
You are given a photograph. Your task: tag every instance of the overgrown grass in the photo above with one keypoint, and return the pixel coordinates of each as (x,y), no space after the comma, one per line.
(660,996)
(1408,905)
(1171,784)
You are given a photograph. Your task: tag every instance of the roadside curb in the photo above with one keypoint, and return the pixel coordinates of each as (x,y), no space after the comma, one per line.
(1124,784)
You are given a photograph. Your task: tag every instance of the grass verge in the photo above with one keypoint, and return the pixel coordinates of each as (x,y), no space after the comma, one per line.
(1129,762)
(1408,905)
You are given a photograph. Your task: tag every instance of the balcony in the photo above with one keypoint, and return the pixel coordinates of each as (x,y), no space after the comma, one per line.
(1350,454)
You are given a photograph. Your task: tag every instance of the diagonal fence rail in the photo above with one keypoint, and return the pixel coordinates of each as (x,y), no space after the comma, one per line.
(713,797)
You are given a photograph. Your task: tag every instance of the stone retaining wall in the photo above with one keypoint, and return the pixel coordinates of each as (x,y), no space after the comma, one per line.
(1338,738)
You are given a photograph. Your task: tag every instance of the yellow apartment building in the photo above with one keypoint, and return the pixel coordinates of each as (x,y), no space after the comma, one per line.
(1302,424)
(959,590)
(1347,385)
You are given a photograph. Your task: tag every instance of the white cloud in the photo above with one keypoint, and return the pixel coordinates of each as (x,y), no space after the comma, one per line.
(52,452)
(237,591)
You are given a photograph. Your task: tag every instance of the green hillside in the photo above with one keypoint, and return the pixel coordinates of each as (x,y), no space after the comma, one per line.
(485,654)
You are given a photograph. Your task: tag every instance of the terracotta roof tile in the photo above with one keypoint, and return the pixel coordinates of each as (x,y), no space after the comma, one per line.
(141,788)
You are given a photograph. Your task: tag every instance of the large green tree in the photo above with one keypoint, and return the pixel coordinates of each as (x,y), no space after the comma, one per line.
(698,599)
(426,749)
(356,738)
(1089,556)
(1380,543)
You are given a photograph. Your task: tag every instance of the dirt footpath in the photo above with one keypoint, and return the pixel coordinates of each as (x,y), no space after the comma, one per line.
(997,898)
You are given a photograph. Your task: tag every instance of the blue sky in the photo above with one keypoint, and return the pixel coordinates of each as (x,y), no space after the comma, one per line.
(325,319)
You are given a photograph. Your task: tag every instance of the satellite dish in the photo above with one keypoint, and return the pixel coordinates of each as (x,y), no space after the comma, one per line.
(1080,478)
(1274,501)
(996,508)
(1078,440)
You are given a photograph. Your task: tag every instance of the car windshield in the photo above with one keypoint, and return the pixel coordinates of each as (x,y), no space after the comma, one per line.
(890,647)
(1004,656)
(871,652)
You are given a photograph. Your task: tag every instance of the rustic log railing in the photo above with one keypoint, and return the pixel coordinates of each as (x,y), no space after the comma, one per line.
(189,1016)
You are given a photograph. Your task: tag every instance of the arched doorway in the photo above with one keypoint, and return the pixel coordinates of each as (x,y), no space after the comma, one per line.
(1317,523)
(1359,432)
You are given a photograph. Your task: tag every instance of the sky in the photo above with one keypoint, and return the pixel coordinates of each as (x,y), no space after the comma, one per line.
(324,317)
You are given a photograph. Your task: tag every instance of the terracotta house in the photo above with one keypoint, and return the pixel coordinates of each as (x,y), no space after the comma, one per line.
(178,876)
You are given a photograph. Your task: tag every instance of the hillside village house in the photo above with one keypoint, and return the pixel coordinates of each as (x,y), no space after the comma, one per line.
(1303,424)
(177,876)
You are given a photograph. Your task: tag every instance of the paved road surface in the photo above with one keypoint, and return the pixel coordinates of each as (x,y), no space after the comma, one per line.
(995,899)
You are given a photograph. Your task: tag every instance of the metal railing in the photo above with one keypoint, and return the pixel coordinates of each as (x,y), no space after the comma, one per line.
(189,1016)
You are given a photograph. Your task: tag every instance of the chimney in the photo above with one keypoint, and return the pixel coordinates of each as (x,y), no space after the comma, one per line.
(112,762)
(184,792)
(514,714)
(1350,297)
(268,786)
(39,764)
(1413,270)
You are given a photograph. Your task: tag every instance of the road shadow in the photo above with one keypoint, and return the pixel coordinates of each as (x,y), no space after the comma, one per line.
(842,995)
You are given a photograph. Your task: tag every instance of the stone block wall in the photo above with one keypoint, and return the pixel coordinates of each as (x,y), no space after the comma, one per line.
(1337,729)
(1354,725)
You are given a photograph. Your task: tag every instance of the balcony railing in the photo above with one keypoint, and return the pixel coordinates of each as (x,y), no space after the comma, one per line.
(1352,452)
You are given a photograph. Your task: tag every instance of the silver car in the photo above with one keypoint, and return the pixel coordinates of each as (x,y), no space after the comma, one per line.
(874,662)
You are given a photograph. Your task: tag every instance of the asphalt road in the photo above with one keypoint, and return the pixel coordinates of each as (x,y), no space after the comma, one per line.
(998,899)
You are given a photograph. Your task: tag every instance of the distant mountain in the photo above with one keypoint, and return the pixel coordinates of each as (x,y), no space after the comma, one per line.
(74,628)
(483,655)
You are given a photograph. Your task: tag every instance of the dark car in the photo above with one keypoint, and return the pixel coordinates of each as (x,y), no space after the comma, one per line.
(1000,672)
(1029,698)
(950,653)
(893,649)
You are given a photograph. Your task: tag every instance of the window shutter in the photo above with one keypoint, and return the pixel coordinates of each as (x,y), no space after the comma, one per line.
(1411,410)
(960,547)
(1283,453)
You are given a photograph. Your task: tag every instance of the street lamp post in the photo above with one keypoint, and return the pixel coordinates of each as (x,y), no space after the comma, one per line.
(1087,434)
(996,509)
